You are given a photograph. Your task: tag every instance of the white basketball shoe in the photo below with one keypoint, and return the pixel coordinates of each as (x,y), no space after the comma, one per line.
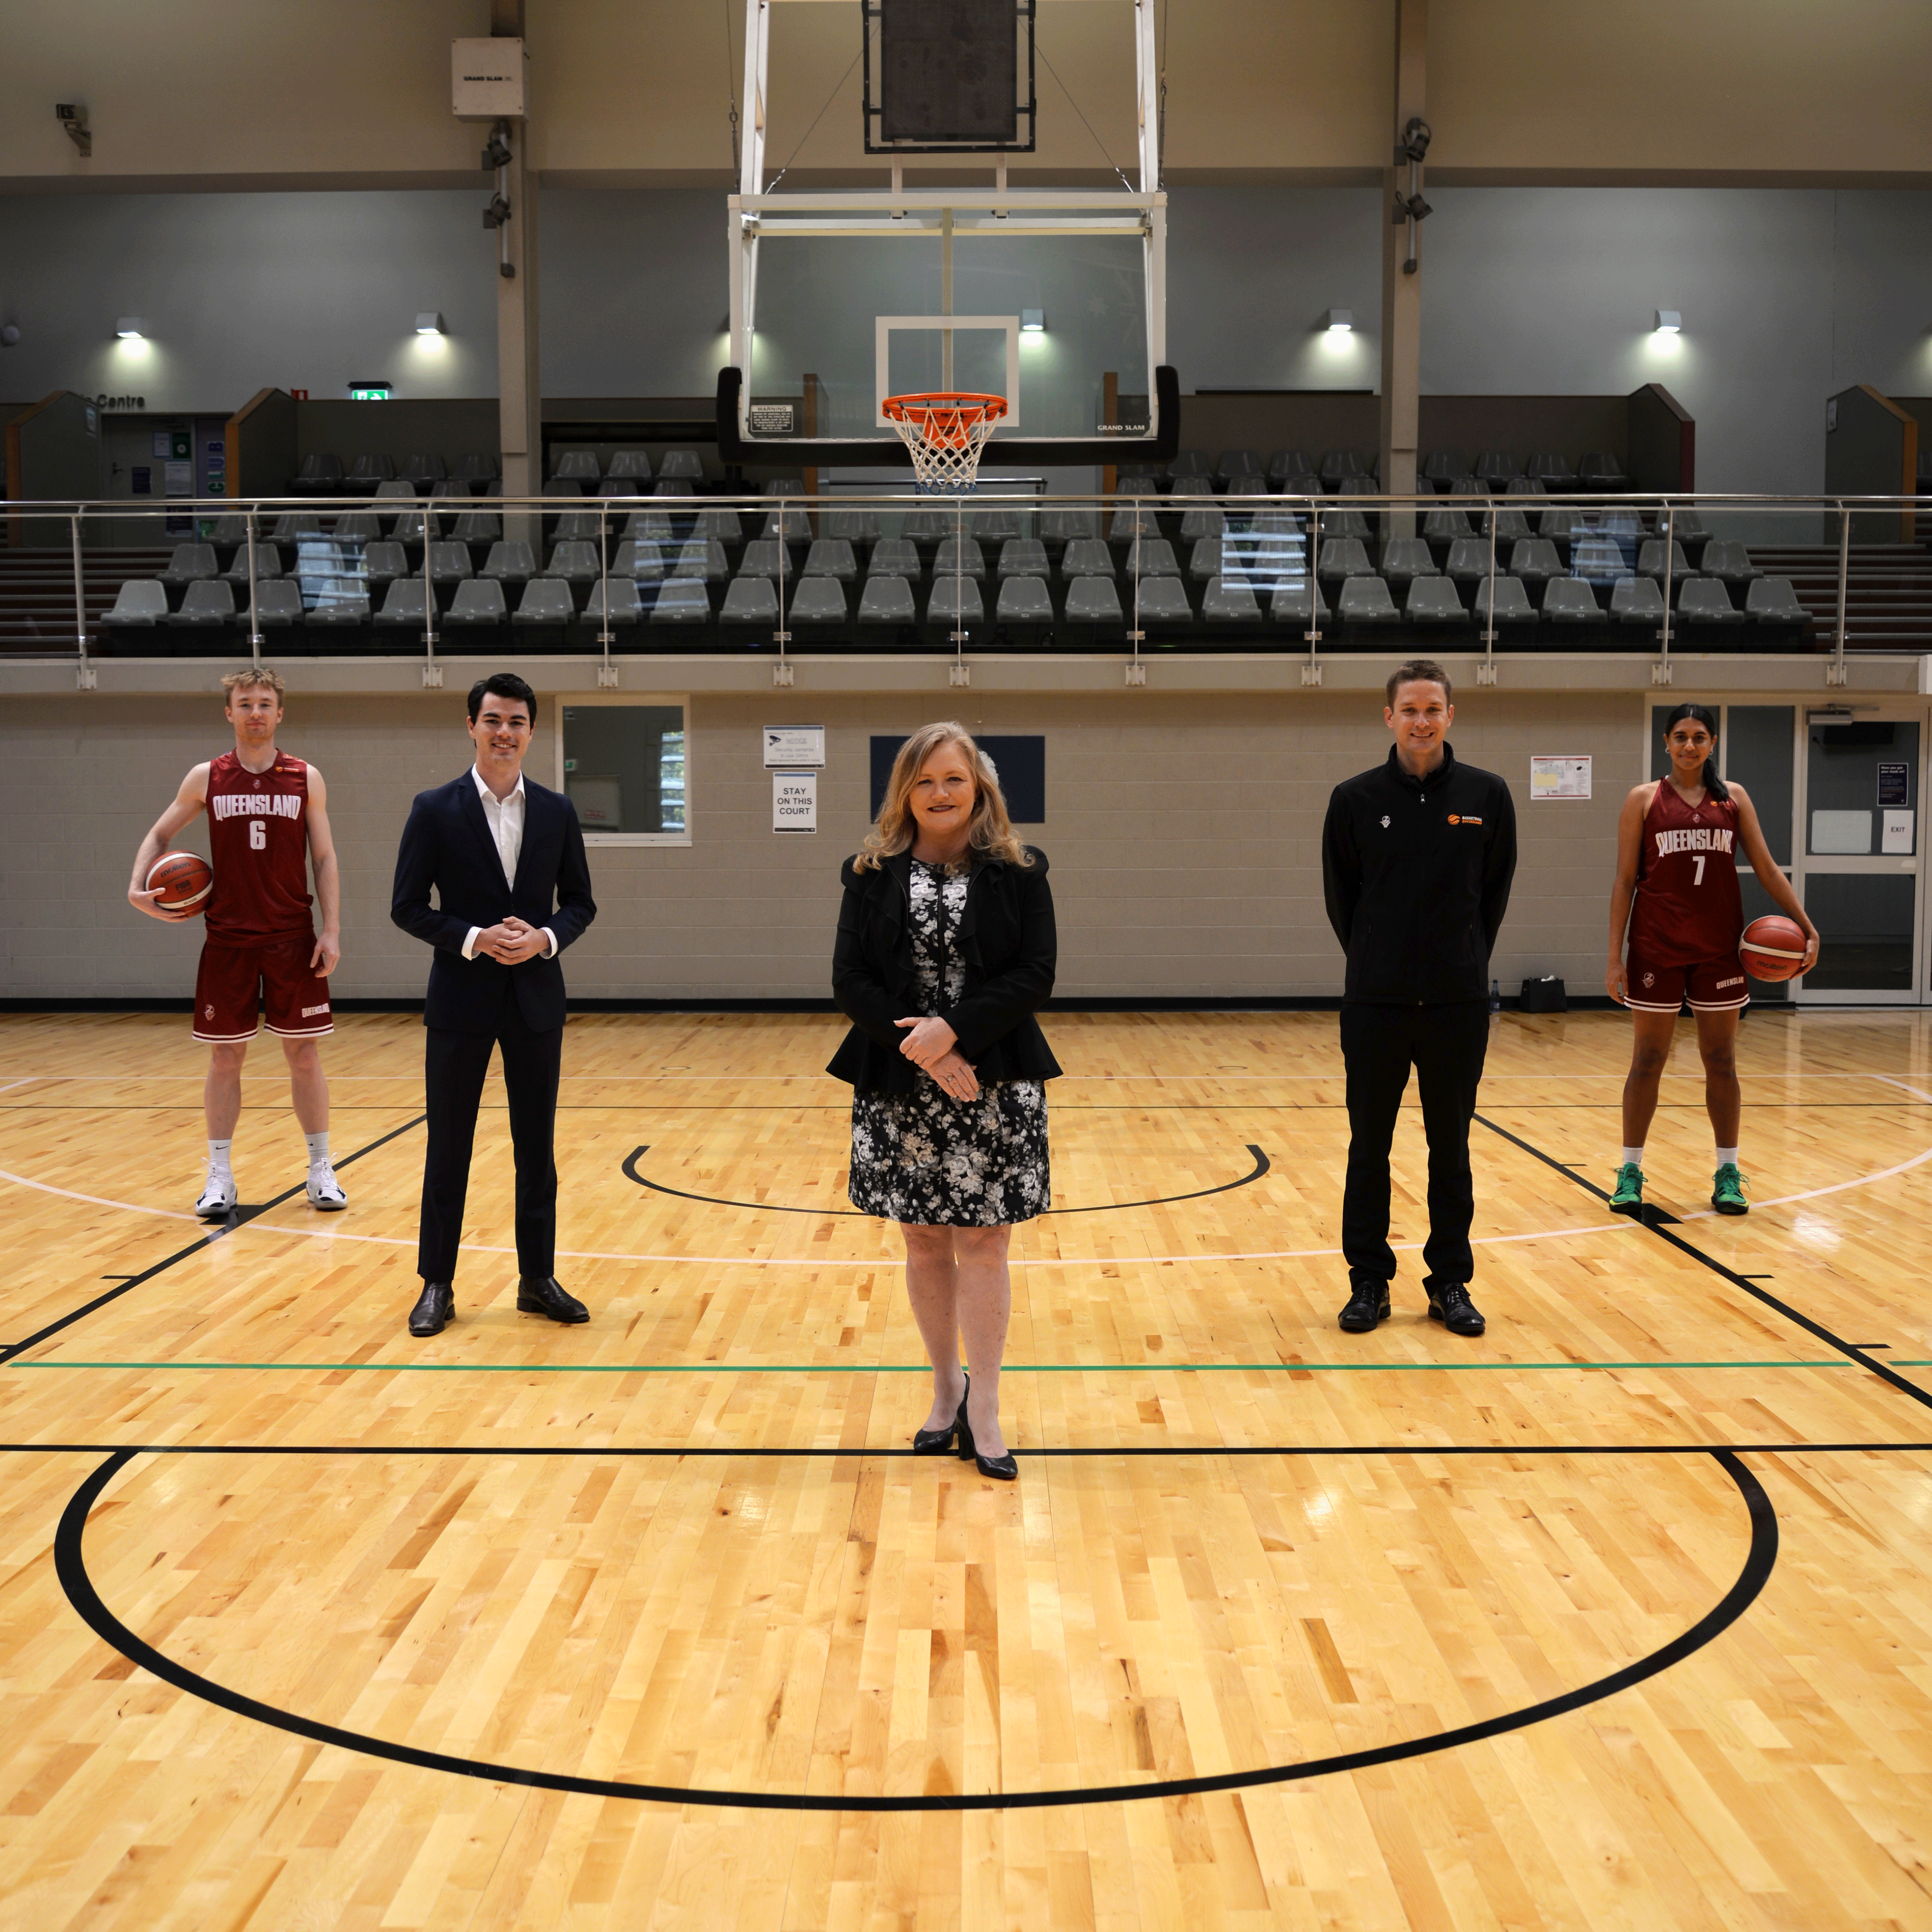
(218,1198)
(325,1191)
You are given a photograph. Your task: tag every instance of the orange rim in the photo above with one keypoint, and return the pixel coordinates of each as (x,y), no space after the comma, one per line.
(928,413)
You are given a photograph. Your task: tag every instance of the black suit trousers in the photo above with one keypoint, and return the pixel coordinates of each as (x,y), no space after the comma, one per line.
(454,1064)
(1446,1046)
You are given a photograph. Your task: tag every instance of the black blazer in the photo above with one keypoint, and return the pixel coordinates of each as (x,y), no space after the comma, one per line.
(447,844)
(1007,939)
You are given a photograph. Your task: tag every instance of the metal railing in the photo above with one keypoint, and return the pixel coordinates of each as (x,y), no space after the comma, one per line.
(1258,525)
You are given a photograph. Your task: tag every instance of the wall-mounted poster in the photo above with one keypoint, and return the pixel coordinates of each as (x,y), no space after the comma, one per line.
(1559,776)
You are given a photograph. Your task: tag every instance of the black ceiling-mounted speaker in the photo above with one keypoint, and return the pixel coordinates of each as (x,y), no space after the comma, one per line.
(950,76)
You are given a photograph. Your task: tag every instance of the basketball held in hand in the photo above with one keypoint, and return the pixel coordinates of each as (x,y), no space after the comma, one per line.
(1773,947)
(184,881)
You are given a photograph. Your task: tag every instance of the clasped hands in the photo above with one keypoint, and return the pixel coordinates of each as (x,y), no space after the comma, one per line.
(931,1044)
(512,942)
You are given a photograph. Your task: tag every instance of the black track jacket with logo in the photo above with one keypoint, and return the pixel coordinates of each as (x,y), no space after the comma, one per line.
(1417,875)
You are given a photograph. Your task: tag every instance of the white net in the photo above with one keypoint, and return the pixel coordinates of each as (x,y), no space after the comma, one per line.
(944,435)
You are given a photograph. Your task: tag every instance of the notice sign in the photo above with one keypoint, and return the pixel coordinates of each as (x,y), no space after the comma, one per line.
(1895,784)
(794,801)
(1559,777)
(794,744)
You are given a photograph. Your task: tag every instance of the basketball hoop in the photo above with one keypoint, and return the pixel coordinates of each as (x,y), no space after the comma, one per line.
(944,432)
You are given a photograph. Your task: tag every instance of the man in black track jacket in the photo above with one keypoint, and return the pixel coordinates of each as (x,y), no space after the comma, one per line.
(1417,857)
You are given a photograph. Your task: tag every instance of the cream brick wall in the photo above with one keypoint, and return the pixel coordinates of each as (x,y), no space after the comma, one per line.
(1184,833)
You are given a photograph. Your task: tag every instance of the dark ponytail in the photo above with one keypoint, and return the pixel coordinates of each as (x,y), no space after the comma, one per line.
(1701,714)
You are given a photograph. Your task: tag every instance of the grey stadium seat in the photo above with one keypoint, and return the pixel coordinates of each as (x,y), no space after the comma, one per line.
(1255,485)
(1125,524)
(618,486)
(509,563)
(1229,600)
(995,525)
(546,600)
(1184,487)
(682,601)
(1432,600)
(1650,560)
(887,600)
(1189,463)
(1728,563)
(1446,526)
(190,564)
(579,527)
(856,526)
(423,471)
(1366,600)
(475,527)
(1086,556)
(319,476)
(626,608)
(1022,556)
(1467,486)
(1338,465)
(1534,560)
(766,557)
(750,600)
(927,526)
(1706,601)
(1567,600)
(1495,467)
(958,556)
(831,556)
(1525,486)
(677,486)
(1345,524)
(1152,557)
(1162,600)
(278,603)
(1551,470)
(1092,600)
(638,559)
(1358,486)
(1510,526)
(142,601)
(1286,462)
(338,610)
(893,557)
(563,486)
(1203,521)
(575,562)
(403,606)
(1024,600)
(1068,526)
(702,557)
(954,600)
(579,465)
(1637,600)
(384,562)
(361,526)
(449,562)
(1599,470)
(686,463)
(1233,463)
(1469,559)
(1443,467)
(723,525)
(292,525)
(366,475)
(1343,557)
(1512,602)
(229,530)
(267,563)
(478,469)
(656,526)
(818,600)
(630,465)
(1290,604)
(1771,600)
(1203,560)
(1404,559)
(478,600)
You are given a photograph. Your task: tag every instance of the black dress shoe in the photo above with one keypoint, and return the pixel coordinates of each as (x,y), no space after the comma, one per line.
(546,1298)
(1368,1304)
(1450,1304)
(938,1441)
(1001,1468)
(434,1306)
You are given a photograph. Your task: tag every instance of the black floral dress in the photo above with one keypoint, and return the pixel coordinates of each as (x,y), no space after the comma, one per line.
(925,1157)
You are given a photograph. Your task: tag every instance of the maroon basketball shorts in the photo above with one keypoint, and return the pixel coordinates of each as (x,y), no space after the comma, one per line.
(236,979)
(1710,986)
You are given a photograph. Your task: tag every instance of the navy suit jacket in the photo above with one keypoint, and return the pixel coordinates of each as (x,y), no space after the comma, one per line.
(447,844)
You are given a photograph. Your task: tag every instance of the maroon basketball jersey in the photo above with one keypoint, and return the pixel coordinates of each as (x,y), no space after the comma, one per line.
(258,844)
(1688,908)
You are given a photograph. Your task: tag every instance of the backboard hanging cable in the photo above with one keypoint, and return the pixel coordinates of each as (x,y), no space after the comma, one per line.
(815,119)
(731,88)
(1084,121)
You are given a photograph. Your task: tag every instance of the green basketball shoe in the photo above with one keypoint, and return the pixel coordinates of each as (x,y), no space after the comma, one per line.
(1727,1190)
(1627,1198)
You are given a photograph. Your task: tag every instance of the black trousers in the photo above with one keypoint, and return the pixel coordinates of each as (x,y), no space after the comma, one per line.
(454,1064)
(1446,1046)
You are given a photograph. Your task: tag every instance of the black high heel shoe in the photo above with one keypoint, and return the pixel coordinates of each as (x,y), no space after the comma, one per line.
(938,1441)
(1001,1468)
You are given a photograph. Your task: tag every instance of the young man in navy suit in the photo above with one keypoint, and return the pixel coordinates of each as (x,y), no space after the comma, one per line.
(505,859)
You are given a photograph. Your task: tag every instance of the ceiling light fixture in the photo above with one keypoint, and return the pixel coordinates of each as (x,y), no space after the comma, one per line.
(1341,321)
(429,322)
(1669,321)
(1032,321)
(130,329)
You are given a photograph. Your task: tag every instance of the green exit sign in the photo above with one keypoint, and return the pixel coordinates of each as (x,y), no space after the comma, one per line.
(368,392)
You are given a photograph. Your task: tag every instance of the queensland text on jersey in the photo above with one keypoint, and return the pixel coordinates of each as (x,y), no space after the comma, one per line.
(258,845)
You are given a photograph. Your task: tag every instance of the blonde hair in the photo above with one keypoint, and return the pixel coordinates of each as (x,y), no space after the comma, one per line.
(989,833)
(256,674)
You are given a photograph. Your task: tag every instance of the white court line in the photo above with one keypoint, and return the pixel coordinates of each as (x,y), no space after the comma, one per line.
(1622,1225)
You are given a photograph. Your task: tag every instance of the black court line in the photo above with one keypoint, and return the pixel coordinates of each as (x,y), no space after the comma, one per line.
(240,1218)
(630,1166)
(71,1566)
(1851,1350)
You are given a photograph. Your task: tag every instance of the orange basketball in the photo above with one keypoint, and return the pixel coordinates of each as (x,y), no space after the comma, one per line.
(184,881)
(1773,947)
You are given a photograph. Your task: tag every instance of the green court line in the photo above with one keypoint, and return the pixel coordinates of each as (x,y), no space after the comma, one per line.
(921,1368)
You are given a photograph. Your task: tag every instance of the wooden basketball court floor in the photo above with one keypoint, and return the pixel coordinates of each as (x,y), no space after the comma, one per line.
(1621,1616)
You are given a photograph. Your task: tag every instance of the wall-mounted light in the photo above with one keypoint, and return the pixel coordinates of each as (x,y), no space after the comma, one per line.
(130,329)
(10,333)
(1669,321)
(429,322)
(1341,321)
(1032,321)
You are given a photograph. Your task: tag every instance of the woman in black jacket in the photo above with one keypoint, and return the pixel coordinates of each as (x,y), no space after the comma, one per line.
(946,950)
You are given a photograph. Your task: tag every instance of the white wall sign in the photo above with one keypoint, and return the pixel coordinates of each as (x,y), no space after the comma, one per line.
(1896,835)
(794,744)
(1560,777)
(794,801)
(486,79)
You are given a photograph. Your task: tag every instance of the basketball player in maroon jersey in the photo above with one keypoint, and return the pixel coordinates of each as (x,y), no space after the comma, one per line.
(267,819)
(1676,891)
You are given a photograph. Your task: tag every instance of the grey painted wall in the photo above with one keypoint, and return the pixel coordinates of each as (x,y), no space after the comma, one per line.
(1788,294)
(1183,834)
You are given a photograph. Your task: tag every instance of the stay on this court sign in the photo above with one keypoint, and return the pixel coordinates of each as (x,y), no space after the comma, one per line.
(794,801)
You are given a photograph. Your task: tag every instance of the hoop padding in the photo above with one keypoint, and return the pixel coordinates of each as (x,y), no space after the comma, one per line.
(944,432)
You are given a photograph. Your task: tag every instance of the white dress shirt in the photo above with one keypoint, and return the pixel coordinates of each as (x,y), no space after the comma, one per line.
(505,816)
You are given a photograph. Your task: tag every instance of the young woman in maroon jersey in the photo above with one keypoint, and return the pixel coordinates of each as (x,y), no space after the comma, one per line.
(1678,839)
(268,817)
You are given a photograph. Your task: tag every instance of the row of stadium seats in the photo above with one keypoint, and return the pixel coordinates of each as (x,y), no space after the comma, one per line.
(323,476)
(1353,472)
